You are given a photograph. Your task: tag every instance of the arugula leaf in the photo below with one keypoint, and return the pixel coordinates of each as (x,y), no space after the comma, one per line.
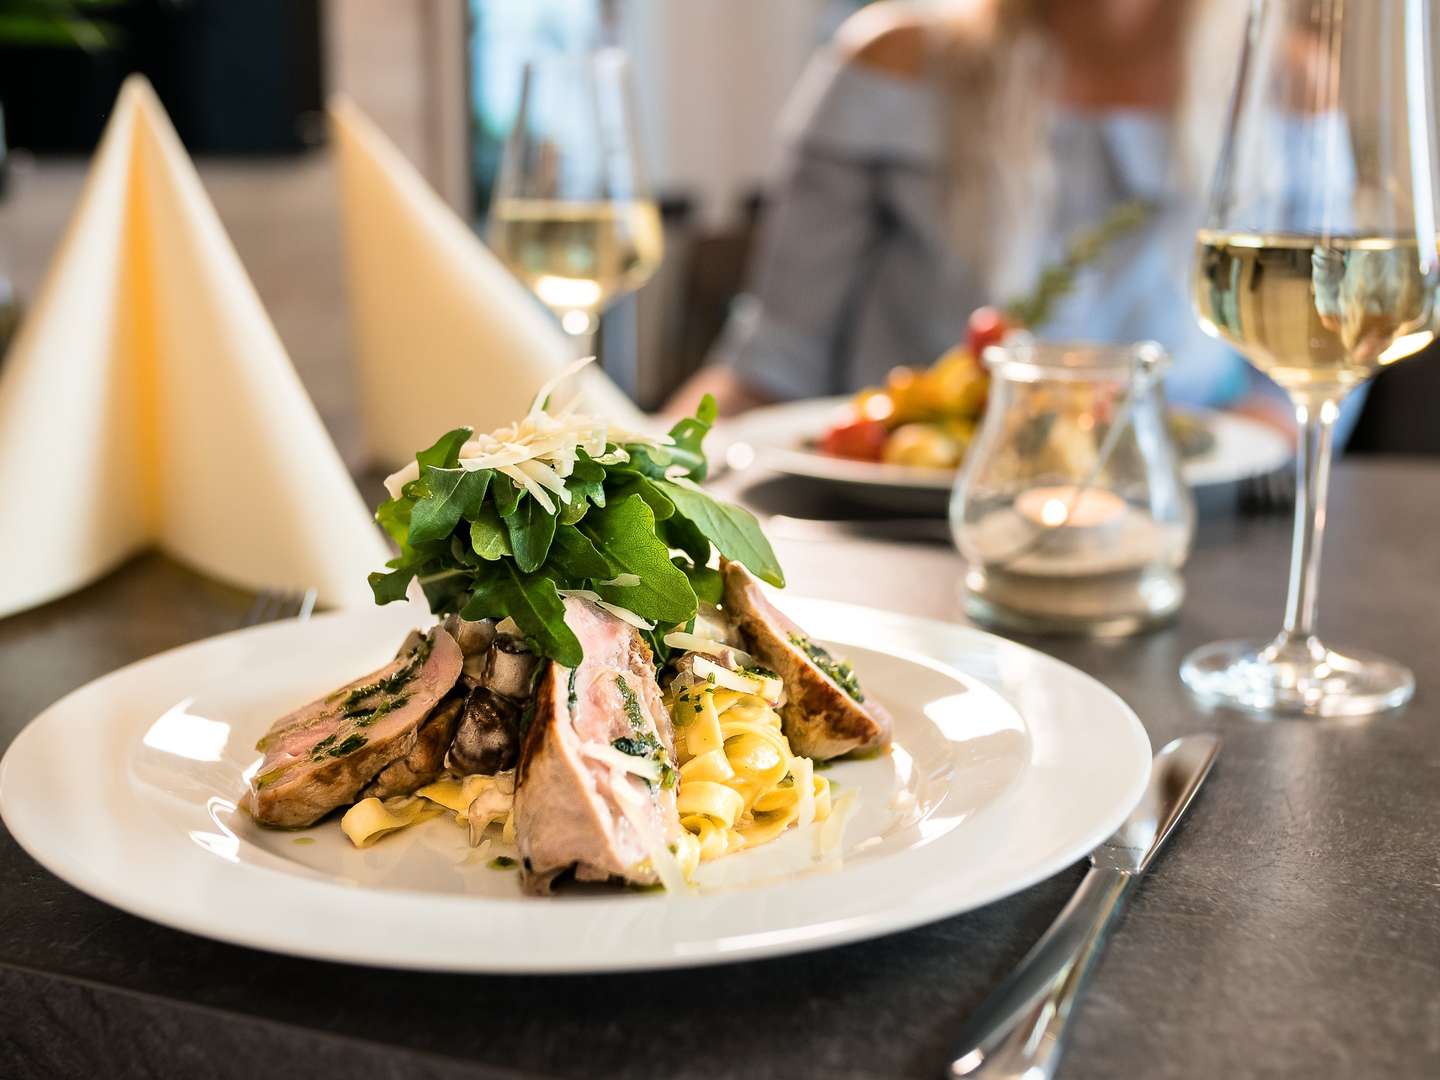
(391,587)
(488,536)
(394,517)
(685,449)
(531,600)
(531,530)
(572,512)
(734,531)
(506,495)
(587,480)
(445,454)
(446,589)
(625,534)
(709,586)
(454,493)
(630,484)
(681,534)
(575,557)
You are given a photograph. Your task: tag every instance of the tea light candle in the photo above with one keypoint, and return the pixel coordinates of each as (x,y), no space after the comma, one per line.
(1053,507)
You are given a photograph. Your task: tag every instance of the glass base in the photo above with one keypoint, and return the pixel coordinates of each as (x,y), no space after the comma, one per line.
(1295,677)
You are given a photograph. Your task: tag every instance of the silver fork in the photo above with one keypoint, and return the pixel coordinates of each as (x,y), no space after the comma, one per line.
(273,604)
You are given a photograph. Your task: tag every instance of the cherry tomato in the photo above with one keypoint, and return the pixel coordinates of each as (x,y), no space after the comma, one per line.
(862,440)
(987,327)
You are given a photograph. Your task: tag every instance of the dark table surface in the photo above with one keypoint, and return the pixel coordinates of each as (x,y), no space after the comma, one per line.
(1293,928)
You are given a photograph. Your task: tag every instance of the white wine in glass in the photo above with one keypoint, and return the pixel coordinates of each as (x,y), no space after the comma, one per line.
(572,217)
(577,256)
(1318,262)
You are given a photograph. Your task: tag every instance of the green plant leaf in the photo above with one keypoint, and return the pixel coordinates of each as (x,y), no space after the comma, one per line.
(489,538)
(445,454)
(587,481)
(392,586)
(531,600)
(574,557)
(689,439)
(394,517)
(624,532)
(734,531)
(505,495)
(454,494)
(709,586)
(682,534)
(624,484)
(531,531)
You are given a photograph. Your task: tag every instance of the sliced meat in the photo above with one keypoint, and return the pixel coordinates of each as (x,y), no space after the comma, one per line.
(825,713)
(577,801)
(426,759)
(488,738)
(319,757)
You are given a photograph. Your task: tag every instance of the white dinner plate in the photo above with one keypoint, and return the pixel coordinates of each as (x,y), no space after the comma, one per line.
(1007,767)
(779,437)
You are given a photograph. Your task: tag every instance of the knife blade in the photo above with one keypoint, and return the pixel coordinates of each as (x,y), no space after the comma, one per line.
(1020,1029)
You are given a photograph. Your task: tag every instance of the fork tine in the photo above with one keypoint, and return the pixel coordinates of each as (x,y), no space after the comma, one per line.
(274,604)
(307,604)
(258,606)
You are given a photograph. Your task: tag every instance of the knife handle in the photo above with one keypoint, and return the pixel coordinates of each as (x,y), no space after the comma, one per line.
(1020,1030)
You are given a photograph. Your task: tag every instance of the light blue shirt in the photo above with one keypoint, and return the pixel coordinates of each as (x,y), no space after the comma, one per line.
(858,271)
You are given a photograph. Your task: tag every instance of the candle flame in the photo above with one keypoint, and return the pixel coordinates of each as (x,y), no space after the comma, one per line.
(1053,513)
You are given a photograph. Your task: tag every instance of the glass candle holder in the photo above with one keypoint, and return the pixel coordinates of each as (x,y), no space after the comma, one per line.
(1070,510)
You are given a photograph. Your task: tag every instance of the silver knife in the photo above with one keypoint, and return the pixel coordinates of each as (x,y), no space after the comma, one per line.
(1020,1029)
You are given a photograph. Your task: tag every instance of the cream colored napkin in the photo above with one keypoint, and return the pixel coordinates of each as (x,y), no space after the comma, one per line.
(446,336)
(148,401)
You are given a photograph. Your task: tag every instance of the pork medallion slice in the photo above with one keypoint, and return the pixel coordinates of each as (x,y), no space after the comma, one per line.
(826,712)
(595,782)
(321,756)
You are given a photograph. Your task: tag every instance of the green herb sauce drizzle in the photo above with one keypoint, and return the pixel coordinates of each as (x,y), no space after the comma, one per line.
(839,671)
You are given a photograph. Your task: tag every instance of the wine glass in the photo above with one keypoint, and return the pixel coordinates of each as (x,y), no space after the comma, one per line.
(572,217)
(1318,263)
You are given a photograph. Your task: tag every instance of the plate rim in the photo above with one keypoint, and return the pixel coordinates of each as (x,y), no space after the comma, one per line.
(933,906)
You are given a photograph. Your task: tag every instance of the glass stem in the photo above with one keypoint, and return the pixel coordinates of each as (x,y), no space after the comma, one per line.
(1316,423)
(583,342)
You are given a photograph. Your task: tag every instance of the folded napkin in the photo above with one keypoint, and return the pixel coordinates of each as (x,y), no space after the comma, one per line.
(445,335)
(147,400)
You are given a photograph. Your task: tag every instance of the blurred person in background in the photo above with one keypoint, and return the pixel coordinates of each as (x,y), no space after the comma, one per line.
(937,157)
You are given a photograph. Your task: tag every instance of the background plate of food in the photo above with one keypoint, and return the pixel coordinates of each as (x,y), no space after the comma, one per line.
(912,465)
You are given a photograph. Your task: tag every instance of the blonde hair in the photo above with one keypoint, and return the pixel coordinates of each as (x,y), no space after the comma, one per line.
(998,74)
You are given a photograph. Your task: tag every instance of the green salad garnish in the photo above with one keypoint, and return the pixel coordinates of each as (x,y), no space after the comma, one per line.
(507,524)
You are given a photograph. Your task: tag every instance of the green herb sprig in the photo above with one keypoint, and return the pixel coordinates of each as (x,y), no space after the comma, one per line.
(1058,279)
(637,531)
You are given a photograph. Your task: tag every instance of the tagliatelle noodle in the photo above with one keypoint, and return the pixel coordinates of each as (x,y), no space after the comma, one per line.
(740,783)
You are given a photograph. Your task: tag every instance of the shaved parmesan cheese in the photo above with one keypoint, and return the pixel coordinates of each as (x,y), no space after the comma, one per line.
(767,686)
(625,615)
(803,771)
(645,768)
(831,831)
(665,865)
(679,639)
(539,451)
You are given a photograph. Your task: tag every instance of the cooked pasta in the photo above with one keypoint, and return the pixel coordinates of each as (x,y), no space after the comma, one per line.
(740,785)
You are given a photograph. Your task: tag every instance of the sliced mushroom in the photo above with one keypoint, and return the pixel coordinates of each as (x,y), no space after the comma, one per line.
(487,739)
(510,667)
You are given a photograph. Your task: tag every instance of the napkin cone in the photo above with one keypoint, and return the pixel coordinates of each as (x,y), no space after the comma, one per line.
(147,400)
(446,337)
